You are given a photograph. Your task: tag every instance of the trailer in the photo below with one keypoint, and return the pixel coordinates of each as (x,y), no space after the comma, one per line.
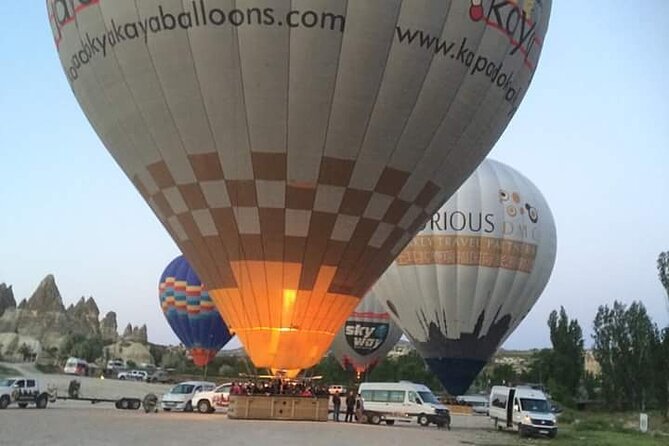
(123,403)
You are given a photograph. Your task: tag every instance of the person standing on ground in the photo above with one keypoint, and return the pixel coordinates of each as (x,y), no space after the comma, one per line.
(350,407)
(336,402)
(359,409)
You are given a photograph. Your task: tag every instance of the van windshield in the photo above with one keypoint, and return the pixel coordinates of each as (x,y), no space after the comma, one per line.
(7,382)
(428,397)
(533,405)
(182,389)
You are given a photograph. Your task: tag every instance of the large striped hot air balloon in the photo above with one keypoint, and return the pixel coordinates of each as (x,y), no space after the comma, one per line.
(470,277)
(292,148)
(191,313)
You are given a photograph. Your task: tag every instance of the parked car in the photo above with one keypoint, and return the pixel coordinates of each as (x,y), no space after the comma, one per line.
(75,366)
(133,375)
(478,403)
(336,388)
(159,376)
(523,409)
(180,397)
(23,392)
(216,399)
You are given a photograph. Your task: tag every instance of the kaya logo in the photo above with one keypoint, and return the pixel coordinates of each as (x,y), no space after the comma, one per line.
(365,337)
(516,22)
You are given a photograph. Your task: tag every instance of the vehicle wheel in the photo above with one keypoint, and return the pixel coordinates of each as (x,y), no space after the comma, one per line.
(42,401)
(189,407)
(375,419)
(203,406)
(423,420)
(167,409)
(23,405)
(4,402)
(122,378)
(135,404)
(390,422)
(125,404)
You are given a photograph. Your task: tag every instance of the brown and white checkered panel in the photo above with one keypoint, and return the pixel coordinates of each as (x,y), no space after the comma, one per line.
(293,147)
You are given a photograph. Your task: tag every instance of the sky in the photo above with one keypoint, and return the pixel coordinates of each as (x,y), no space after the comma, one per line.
(592,134)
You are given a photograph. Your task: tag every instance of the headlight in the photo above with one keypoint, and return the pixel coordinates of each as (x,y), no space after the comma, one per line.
(527,418)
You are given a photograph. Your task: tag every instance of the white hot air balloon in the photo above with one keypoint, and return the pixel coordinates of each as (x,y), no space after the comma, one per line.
(292,148)
(466,281)
(367,336)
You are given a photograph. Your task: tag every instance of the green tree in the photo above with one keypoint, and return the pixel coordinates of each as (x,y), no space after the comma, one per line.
(26,352)
(660,369)
(663,271)
(623,340)
(79,346)
(540,367)
(567,358)
(503,374)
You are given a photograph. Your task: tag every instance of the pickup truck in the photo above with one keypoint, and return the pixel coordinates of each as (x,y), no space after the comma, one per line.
(133,375)
(210,401)
(22,392)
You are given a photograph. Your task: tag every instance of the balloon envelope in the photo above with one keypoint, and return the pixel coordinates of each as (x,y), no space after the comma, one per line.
(191,313)
(292,148)
(366,337)
(468,279)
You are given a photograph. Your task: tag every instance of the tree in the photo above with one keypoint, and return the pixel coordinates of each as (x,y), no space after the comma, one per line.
(83,347)
(26,352)
(660,367)
(663,271)
(567,358)
(623,340)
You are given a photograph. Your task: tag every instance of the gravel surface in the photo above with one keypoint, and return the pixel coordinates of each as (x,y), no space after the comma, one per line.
(76,423)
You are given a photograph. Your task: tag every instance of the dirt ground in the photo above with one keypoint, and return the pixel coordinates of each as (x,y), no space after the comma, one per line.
(77,423)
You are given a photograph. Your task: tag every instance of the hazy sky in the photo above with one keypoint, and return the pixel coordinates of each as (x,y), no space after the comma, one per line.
(592,135)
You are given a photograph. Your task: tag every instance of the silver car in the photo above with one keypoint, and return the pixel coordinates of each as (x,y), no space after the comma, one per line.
(180,397)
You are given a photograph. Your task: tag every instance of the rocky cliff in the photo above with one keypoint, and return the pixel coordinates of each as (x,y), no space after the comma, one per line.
(6,298)
(44,318)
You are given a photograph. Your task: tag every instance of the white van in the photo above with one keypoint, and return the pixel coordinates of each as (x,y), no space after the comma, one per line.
(523,409)
(180,397)
(75,366)
(402,401)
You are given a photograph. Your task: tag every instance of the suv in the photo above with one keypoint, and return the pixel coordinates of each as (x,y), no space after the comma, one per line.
(219,398)
(180,397)
(135,375)
(159,376)
(22,391)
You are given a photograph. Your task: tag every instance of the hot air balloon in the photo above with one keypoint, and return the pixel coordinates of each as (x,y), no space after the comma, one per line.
(292,148)
(366,337)
(191,313)
(466,281)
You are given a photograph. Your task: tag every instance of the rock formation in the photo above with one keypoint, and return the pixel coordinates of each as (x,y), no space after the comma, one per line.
(109,328)
(87,315)
(43,322)
(46,297)
(6,298)
(129,351)
(135,334)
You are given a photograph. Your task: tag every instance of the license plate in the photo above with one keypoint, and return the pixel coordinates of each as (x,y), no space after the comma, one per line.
(544,432)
